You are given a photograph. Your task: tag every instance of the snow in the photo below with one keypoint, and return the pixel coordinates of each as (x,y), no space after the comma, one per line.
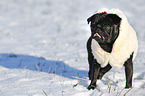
(43,48)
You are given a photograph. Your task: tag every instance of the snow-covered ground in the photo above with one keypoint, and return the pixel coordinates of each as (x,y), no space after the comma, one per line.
(43,48)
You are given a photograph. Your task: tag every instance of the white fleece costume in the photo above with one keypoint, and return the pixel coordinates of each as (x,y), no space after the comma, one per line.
(125,44)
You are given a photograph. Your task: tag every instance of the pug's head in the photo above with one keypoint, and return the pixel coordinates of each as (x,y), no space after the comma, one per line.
(104,27)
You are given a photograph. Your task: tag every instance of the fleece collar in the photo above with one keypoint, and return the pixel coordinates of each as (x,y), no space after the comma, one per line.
(125,44)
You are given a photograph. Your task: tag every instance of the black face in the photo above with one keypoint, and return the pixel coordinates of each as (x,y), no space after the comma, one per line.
(104,27)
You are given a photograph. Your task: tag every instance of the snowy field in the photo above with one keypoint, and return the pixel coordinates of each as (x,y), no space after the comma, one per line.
(43,48)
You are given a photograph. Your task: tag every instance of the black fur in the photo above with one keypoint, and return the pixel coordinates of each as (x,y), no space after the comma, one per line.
(106,39)
(129,71)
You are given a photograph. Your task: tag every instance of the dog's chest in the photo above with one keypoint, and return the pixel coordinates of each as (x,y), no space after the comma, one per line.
(115,59)
(100,55)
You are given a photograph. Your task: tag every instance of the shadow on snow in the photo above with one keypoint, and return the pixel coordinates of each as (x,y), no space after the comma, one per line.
(15,61)
(18,61)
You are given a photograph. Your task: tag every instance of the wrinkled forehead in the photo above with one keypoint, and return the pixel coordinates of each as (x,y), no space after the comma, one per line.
(103,18)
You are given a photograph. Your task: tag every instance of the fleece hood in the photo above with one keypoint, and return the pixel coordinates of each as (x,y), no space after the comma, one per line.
(125,44)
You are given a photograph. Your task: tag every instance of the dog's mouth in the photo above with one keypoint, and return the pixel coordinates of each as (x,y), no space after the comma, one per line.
(99,38)
(97,35)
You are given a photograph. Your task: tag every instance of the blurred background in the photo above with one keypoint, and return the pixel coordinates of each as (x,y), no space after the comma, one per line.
(57,29)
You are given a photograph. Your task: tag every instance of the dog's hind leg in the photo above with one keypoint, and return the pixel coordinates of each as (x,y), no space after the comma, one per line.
(103,71)
(129,72)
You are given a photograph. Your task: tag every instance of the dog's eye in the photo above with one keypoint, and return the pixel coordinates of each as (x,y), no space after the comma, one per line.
(106,27)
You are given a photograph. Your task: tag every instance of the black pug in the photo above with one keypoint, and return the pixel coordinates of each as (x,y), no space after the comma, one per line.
(112,43)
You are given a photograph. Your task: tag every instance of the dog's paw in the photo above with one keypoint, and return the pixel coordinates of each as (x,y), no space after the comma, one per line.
(127,87)
(91,87)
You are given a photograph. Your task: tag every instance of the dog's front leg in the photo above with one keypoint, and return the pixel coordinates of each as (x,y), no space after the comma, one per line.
(96,69)
(129,72)
(90,58)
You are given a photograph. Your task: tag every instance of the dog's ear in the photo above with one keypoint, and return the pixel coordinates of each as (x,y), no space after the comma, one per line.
(116,19)
(90,18)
